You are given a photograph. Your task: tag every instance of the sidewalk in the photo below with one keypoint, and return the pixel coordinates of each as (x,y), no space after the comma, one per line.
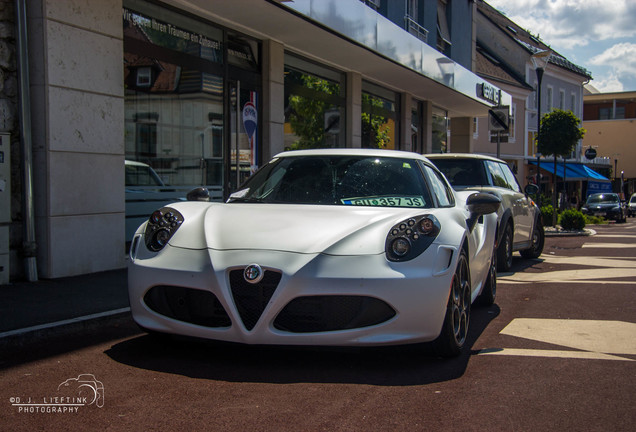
(34,310)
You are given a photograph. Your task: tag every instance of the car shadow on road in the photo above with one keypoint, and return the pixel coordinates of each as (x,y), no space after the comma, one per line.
(386,366)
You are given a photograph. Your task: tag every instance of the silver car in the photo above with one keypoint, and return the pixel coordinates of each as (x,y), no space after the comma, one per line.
(520,227)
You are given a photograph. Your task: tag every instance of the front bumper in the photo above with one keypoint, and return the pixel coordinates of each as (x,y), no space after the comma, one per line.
(611,213)
(307,299)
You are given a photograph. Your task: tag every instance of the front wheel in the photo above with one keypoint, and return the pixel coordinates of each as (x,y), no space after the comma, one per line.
(538,241)
(504,251)
(489,292)
(455,328)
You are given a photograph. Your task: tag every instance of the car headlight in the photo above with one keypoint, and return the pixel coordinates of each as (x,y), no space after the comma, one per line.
(409,238)
(161,226)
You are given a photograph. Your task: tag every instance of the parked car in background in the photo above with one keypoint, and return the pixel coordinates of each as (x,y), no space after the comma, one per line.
(520,227)
(631,206)
(320,247)
(606,205)
(145,193)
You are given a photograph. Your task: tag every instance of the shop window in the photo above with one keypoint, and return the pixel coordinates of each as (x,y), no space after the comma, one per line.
(379,117)
(440,131)
(314,105)
(176,117)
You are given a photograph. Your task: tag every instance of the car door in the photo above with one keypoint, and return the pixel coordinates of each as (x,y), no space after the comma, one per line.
(518,202)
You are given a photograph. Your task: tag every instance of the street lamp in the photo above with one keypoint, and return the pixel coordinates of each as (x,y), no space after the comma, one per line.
(540,61)
(616,155)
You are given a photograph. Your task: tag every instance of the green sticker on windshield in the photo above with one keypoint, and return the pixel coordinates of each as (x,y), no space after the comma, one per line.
(394,201)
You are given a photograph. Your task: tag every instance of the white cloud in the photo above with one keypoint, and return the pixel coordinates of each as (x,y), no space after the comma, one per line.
(580,30)
(610,84)
(571,23)
(620,57)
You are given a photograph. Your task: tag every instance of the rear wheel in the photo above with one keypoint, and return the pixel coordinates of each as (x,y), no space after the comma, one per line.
(488,294)
(504,251)
(455,328)
(538,240)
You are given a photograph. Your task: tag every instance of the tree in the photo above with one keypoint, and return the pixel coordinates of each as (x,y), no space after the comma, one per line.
(558,134)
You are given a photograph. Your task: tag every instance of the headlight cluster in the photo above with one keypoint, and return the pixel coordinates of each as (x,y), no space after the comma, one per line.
(409,238)
(161,227)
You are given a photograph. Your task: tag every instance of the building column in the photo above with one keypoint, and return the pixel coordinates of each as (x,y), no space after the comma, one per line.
(461,135)
(405,121)
(77,99)
(354,110)
(273,109)
(427,126)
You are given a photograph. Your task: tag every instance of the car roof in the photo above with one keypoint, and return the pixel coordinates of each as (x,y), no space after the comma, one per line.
(352,152)
(462,156)
(135,163)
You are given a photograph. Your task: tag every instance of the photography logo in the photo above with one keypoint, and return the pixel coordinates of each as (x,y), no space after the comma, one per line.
(71,395)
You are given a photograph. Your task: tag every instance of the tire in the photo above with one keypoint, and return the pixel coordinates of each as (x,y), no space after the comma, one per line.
(454,332)
(504,251)
(538,241)
(489,292)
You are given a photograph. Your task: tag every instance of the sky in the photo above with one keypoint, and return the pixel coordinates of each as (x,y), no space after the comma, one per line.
(599,35)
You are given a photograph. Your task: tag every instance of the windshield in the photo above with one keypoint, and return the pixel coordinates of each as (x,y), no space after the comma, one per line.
(602,198)
(338,180)
(462,172)
(632,200)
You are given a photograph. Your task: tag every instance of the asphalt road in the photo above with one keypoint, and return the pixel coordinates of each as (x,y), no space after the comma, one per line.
(557,352)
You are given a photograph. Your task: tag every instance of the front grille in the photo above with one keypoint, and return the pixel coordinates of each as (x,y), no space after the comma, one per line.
(187,305)
(251,299)
(332,313)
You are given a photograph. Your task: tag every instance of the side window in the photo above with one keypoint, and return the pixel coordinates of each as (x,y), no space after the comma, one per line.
(510,177)
(439,187)
(498,177)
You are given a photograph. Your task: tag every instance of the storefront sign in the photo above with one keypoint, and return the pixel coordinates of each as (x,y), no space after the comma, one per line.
(174,34)
(489,93)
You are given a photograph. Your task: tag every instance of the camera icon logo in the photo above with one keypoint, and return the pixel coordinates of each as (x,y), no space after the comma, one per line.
(85,388)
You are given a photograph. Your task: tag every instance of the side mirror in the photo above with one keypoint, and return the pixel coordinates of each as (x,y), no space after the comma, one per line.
(531,189)
(480,204)
(199,194)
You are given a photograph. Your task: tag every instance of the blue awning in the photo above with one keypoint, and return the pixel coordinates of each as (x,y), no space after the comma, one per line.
(573,171)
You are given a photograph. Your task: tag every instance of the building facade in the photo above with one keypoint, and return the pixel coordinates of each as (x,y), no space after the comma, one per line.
(204,92)
(610,121)
(505,54)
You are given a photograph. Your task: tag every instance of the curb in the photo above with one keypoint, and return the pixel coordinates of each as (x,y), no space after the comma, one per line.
(562,233)
(39,333)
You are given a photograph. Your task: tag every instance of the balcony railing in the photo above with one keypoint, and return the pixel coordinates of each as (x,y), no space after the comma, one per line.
(415,29)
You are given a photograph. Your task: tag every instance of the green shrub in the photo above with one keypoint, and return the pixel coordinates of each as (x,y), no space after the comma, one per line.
(594,220)
(572,220)
(547,212)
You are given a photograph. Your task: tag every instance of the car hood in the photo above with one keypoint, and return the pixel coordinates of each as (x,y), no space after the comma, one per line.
(337,230)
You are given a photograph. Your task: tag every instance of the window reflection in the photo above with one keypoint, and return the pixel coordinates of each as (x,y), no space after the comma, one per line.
(314,106)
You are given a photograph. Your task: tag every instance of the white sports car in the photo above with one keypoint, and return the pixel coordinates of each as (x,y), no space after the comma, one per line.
(320,247)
